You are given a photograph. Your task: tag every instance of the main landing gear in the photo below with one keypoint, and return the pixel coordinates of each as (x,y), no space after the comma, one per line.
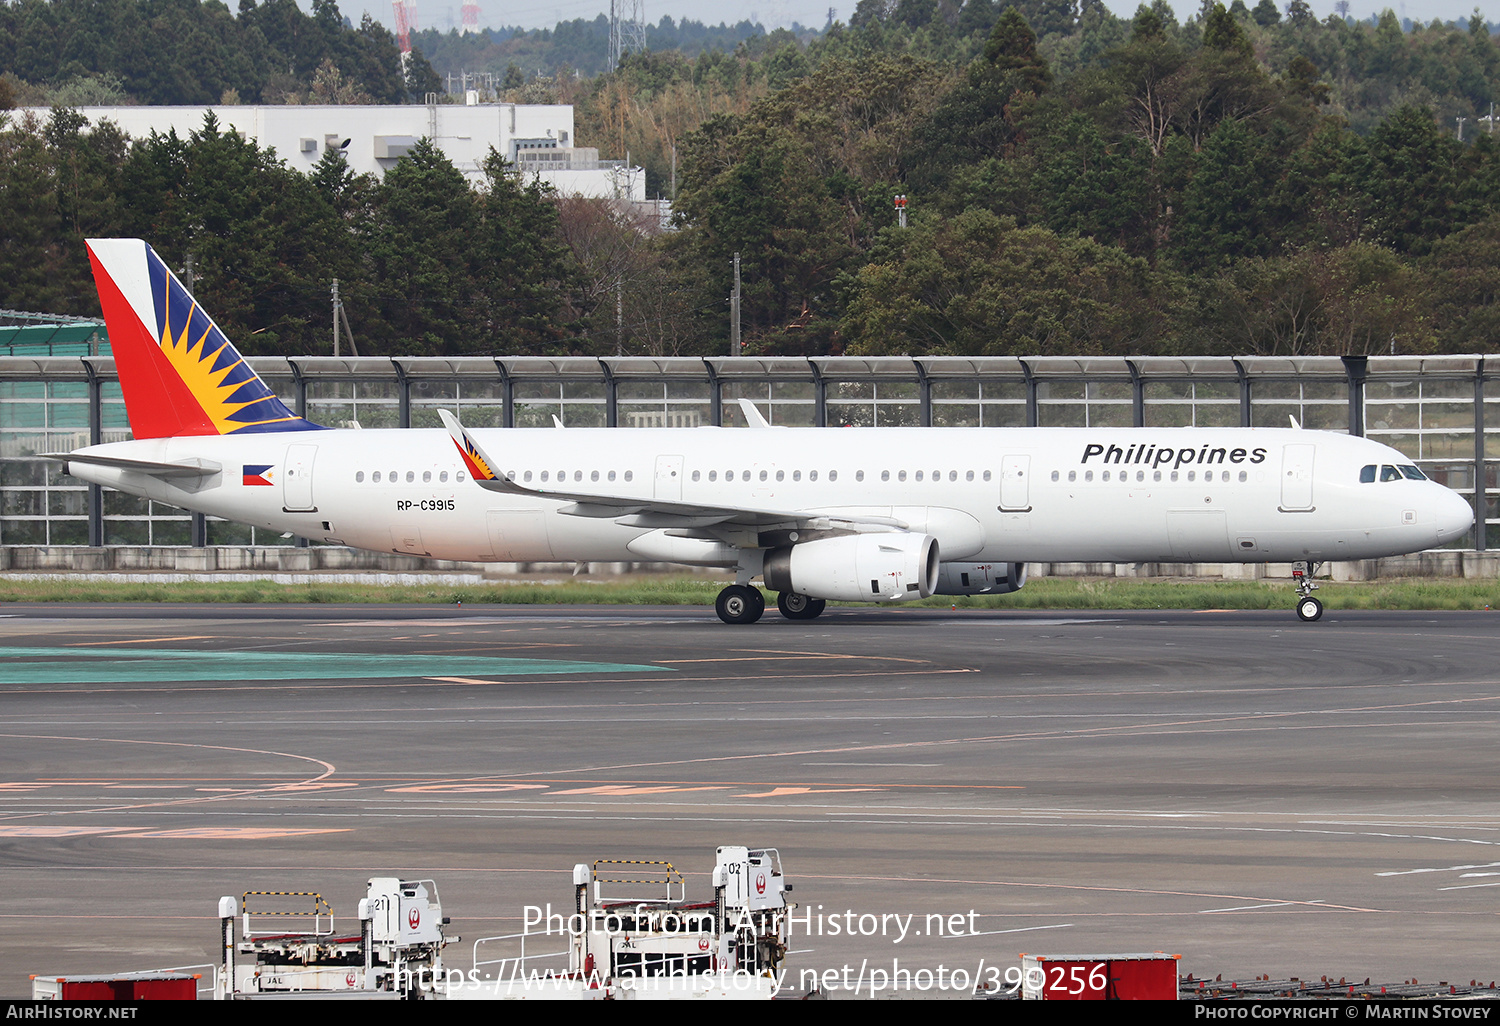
(1308,608)
(795,606)
(742,603)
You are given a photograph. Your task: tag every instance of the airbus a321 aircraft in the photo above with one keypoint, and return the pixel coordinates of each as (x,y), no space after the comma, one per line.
(866,515)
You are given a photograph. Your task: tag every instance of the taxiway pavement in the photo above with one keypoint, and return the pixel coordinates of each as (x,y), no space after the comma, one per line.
(1255,793)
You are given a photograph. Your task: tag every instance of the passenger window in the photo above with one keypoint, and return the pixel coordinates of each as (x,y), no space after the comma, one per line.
(1072,475)
(969,476)
(1104,476)
(1244,476)
(411,475)
(611,475)
(713,475)
(900,475)
(1140,475)
(444,476)
(426,477)
(833,475)
(885,475)
(1367,474)
(594,475)
(359,475)
(460,476)
(812,475)
(796,475)
(859,475)
(1155,475)
(919,475)
(629,474)
(762,475)
(986,475)
(1055,475)
(1088,475)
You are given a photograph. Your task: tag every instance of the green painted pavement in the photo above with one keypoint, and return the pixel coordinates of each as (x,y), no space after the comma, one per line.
(84,666)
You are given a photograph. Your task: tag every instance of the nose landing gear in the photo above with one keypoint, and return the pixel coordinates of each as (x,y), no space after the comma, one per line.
(1308,608)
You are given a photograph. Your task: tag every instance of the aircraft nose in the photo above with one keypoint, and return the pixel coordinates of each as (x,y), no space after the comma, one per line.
(1454,516)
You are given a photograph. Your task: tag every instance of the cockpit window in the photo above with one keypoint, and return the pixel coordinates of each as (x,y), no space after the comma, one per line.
(1389,474)
(1412,473)
(1367,474)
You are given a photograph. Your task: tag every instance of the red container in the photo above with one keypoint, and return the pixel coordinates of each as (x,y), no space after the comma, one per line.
(1135,977)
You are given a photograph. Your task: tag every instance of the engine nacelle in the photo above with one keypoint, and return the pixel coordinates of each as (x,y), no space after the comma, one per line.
(980,578)
(886,567)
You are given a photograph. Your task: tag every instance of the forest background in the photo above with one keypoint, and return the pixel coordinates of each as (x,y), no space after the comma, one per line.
(1245,181)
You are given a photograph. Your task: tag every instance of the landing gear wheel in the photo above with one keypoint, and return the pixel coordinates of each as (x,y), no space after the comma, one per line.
(740,603)
(1308,608)
(796,606)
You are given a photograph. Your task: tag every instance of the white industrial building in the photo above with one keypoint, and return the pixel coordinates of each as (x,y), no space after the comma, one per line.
(537,137)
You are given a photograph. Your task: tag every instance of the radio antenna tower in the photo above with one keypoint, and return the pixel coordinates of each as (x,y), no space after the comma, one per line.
(406,24)
(627,29)
(470,18)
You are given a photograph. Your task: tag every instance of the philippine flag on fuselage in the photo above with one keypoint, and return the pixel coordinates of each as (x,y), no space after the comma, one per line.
(257,475)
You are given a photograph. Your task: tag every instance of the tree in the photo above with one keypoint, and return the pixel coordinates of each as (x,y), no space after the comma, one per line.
(977,284)
(422,283)
(528,279)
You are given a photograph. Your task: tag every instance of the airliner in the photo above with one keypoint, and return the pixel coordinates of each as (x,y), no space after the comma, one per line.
(879,515)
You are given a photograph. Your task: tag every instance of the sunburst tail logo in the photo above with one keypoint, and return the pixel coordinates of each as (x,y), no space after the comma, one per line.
(179,373)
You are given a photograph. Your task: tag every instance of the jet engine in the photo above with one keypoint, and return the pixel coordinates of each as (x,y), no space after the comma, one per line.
(980,578)
(884,567)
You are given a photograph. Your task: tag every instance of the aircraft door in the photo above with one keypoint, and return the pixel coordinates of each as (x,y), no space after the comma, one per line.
(297,481)
(1297,477)
(669,478)
(1015,486)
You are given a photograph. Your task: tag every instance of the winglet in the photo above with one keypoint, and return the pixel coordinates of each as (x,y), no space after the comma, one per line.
(481,467)
(1294,422)
(752,414)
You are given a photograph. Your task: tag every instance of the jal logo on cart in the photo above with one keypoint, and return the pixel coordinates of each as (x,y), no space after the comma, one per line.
(413,919)
(702,943)
(760,884)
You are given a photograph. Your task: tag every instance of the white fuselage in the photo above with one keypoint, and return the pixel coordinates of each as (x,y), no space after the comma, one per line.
(1002,494)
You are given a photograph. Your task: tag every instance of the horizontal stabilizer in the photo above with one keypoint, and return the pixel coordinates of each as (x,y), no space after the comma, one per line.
(186,468)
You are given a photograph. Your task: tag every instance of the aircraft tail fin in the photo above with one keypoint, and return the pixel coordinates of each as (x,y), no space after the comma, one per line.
(179,373)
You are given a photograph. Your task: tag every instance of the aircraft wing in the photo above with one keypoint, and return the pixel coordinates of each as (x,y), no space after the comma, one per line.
(638,511)
(186,468)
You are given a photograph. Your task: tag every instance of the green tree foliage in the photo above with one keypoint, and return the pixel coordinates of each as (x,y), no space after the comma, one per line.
(191,52)
(978,284)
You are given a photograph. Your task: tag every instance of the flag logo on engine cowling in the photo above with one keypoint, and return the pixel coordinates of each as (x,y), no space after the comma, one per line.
(257,475)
